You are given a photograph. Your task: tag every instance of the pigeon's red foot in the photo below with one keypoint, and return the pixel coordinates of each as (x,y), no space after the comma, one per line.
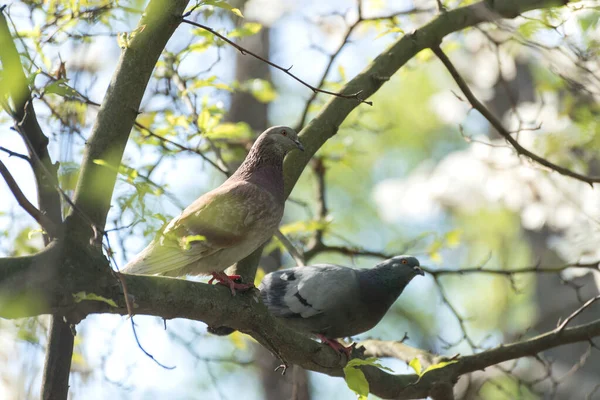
(230,281)
(337,346)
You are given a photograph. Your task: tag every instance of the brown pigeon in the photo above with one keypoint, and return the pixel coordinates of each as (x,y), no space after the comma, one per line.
(228,223)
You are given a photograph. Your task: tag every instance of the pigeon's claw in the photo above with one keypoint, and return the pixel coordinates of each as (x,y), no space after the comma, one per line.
(337,346)
(230,281)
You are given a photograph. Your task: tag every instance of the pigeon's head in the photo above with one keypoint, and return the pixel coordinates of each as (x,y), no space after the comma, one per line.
(283,139)
(407,266)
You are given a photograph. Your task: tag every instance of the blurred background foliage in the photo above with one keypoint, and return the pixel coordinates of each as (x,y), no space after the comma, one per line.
(418,172)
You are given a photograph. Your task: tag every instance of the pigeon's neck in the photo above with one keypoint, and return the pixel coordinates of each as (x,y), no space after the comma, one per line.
(263,168)
(382,285)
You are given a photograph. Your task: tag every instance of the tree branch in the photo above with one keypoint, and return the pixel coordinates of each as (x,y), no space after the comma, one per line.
(497,124)
(26,124)
(357,95)
(23,277)
(349,30)
(397,349)
(40,217)
(327,122)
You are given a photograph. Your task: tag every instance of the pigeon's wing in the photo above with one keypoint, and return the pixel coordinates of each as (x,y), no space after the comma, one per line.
(220,219)
(308,291)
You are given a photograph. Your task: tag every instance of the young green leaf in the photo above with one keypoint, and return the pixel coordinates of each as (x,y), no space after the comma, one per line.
(355,378)
(416,365)
(438,366)
(225,6)
(356,381)
(60,88)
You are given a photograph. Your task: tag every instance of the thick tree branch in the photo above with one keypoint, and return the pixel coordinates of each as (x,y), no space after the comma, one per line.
(119,110)
(497,124)
(23,278)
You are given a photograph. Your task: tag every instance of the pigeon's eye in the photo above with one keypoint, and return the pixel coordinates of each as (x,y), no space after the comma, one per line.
(284,133)
(404,262)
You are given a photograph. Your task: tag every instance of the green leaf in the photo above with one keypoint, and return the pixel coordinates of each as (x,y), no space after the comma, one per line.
(356,381)
(355,378)
(225,6)
(453,238)
(228,130)
(28,336)
(438,366)
(83,296)
(304,226)
(60,88)
(371,361)
(248,29)
(78,359)
(342,72)
(208,82)
(416,365)
(433,251)
(261,89)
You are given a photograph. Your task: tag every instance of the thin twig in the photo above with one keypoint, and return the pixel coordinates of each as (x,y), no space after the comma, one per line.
(294,252)
(181,147)
(497,124)
(15,154)
(272,64)
(350,29)
(585,305)
(39,216)
(128,304)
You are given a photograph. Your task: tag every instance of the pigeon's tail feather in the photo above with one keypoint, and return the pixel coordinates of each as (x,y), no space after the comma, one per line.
(159,259)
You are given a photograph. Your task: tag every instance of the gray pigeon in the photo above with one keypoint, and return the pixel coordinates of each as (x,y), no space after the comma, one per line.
(331,301)
(228,223)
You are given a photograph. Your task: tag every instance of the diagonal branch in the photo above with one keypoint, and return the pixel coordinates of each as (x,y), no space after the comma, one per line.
(561,327)
(331,116)
(497,124)
(349,31)
(39,216)
(357,95)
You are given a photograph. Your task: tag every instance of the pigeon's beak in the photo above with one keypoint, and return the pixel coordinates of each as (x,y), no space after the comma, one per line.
(299,145)
(419,271)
